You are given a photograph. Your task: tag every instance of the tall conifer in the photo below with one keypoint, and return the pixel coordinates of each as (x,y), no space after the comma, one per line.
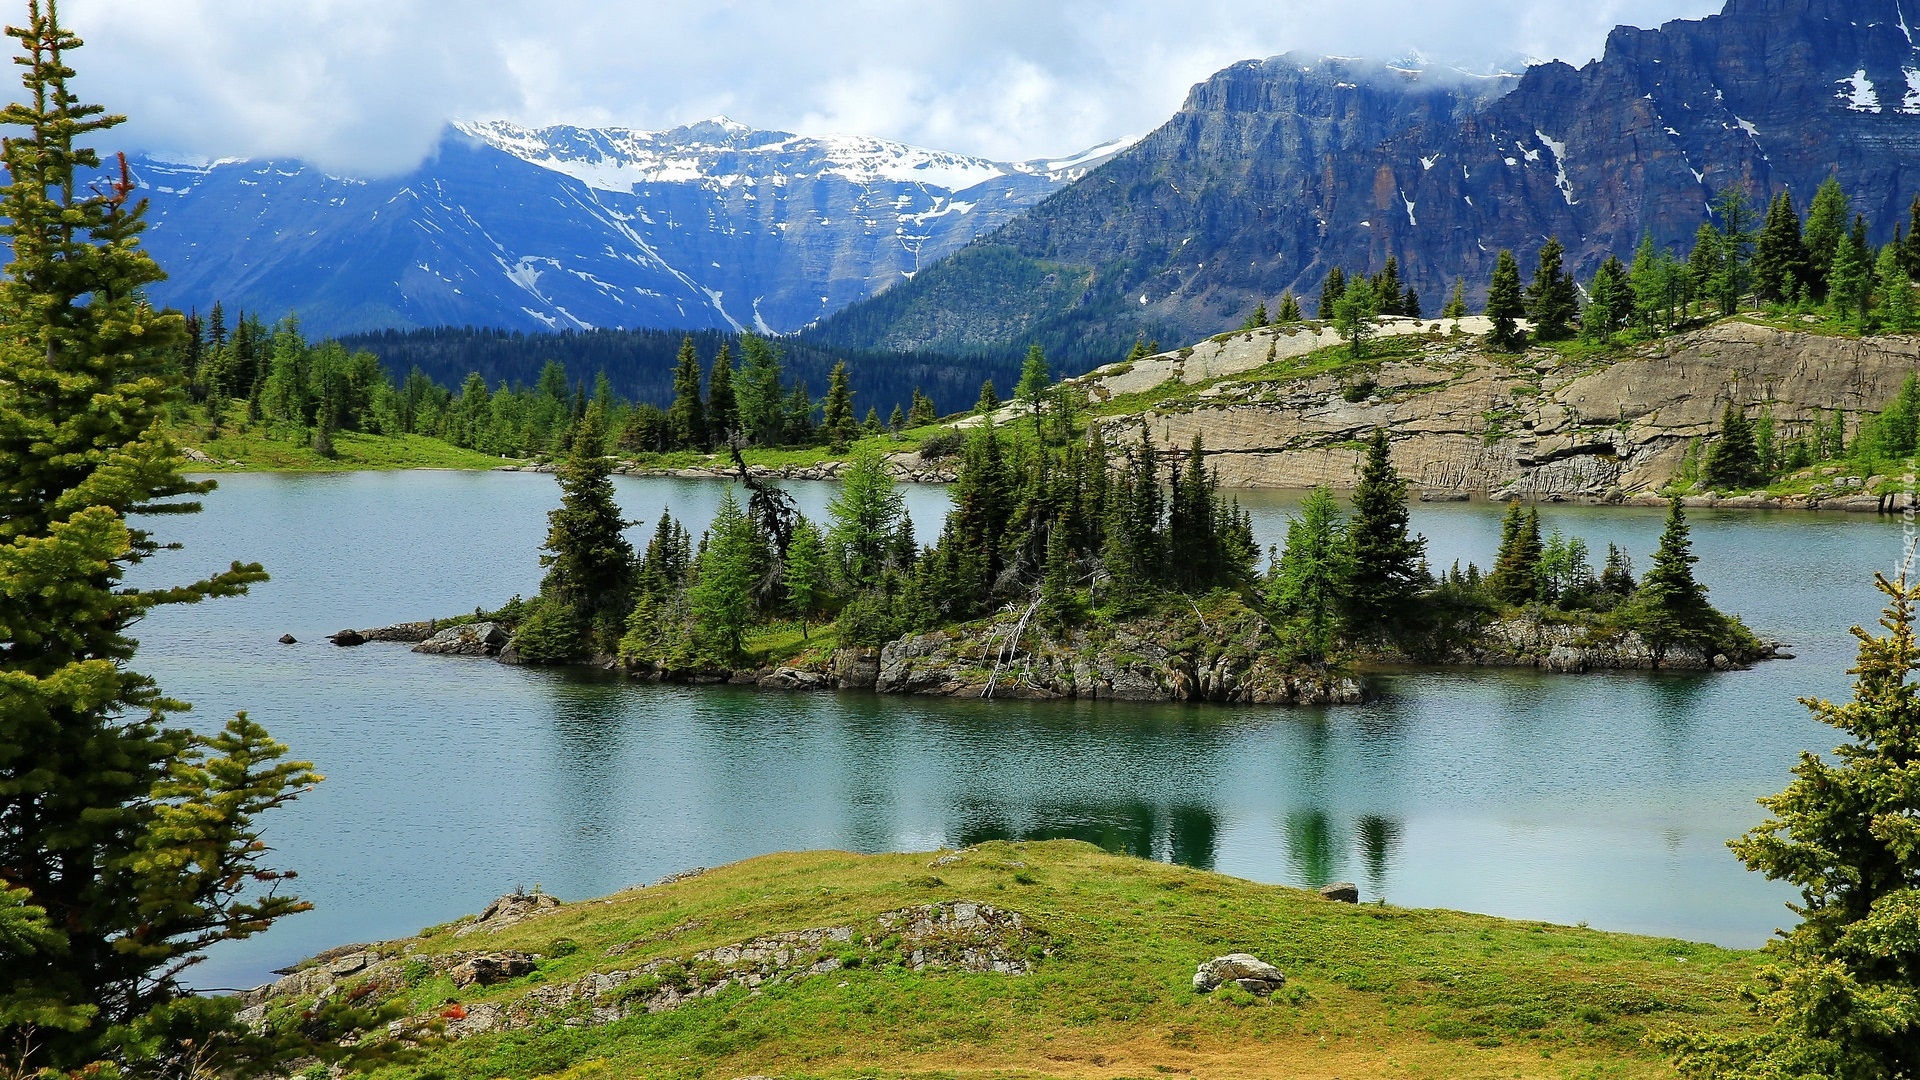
(1504,305)
(1385,567)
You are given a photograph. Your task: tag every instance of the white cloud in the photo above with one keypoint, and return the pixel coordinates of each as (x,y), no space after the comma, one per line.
(365,85)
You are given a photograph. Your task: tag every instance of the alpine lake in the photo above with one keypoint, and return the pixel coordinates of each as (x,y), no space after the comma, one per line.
(1603,799)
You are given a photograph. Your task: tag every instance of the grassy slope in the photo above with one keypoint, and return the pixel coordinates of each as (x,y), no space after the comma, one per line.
(1374,991)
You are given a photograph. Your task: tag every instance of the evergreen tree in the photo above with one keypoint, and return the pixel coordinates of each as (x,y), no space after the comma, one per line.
(1655,277)
(1410,304)
(1289,309)
(1850,283)
(756,392)
(1385,574)
(1504,305)
(1551,300)
(837,415)
(989,400)
(1837,992)
(1733,275)
(1456,307)
(723,411)
(1910,251)
(127,847)
(1826,226)
(1705,263)
(1257,319)
(721,598)
(1388,293)
(686,417)
(871,423)
(1515,579)
(1896,290)
(1353,315)
(1733,463)
(590,564)
(1031,392)
(897,419)
(1616,579)
(1670,607)
(864,516)
(806,572)
(1780,256)
(922,413)
(1331,291)
(1312,572)
(1599,322)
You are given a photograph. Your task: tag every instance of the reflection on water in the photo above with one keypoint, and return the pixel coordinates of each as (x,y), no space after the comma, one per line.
(1605,798)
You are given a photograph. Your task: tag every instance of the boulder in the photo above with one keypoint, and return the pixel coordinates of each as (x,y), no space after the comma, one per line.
(508,910)
(289,639)
(470,639)
(347,638)
(1344,892)
(489,968)
(1248,972)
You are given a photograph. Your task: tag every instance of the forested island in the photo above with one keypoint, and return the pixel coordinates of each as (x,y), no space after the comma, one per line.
(1077,562)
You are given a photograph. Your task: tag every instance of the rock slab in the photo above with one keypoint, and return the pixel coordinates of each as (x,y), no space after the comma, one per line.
(470,639)
(1248,972)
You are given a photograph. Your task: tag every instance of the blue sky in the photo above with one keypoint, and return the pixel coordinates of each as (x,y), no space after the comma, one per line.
(363,86)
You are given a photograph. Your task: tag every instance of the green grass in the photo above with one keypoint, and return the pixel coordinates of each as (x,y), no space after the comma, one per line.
(261,451)
(1330,360)
(1373,991)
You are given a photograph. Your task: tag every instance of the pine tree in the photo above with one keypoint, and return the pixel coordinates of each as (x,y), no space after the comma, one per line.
(1388,293)
(686,417)
(1733,275)
(1289,309)
(1733,462)
(1837,992)
(729,573)
(1331,291)
(127,847)
(897,419)
(1456,307)
(723,412)
(1896,290)
(1850,283)
(837,415)
(1515,579)
(1780,256)
(1551,301)
(1826,226)
(1910,251)
(1670,607)
(1410,304)
(1598,323)
(1312,572)
(1704,263)
(805,576)
(756,392)
(1385,569)
(1504,305)
(589,562)
(1353,315)
(1031,392)
(922,413)
(989,400)
(1258,319)
(864,515)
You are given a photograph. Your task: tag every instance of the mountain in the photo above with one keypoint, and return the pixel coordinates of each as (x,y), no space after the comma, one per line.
(1274,171)
(710,226)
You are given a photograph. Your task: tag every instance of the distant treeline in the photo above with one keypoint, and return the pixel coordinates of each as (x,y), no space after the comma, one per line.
(639,364)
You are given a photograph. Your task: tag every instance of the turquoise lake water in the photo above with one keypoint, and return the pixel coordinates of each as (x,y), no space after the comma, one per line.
(1603,799)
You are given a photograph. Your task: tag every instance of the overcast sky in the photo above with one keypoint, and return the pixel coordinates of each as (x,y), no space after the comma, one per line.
(364,86)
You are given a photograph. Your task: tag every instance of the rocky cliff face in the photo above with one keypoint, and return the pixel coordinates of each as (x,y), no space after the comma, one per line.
(1273,172)
(1468,421)
(711,226)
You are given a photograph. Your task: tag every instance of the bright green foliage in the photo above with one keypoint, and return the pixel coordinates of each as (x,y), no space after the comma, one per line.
(1564,574)
(837,414)
(756,392)
(1031,392)
(1733,273)
(806,573)
(723,411)
(1899,422)
(1516,568)
(864,516)
(1385,572)
(1658,292)
(687,416)
(1704,263)
(1840,991)
(1610,303)
(1307,585)
(1896,290)
(922,413)
(1353,316)
(1551,300)
(1456,307)
(1850,282)
(1331,291)
(990,399)
(1734,460)
(1826,225)
(722,597)
(1670,608)
(1505,306)
(127,847)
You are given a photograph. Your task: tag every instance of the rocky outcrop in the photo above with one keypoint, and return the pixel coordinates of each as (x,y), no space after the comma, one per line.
(467,639)
(1248,972)
(1341,892)
(1574,647)
(347,639)
(406,633)
(1465,420)
(510,910)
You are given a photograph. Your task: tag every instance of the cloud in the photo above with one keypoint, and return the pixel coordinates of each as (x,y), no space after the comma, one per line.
(365,86)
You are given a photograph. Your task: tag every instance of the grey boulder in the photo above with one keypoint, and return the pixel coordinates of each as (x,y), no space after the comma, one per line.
(1248,972)
(471,639)
(1345,892)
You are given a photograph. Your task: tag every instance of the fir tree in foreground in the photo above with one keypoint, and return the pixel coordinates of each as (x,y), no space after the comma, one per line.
(1840,992)
(128,846)
(1504,305)
(588,586)
(1385,575)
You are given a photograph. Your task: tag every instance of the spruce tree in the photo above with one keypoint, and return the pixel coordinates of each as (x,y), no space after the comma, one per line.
(756,392)
(1330,293)
(1670,607)
(805,576)
(1551,300)
(686,417)
(989,399)
(1826,225)
(897,419)
(1289,309)
(589,562)
(1504,305)
(1410,304)
(1837,993)
(1388,293)
(128,847)
(1734,273)
(1780,256)
(1456,307)
(1515,578)
(1307,584)
(1733,462)
(837,415)
(864,516)
(922,411)
(1031,391)
(1384,576)
(1910,251)
(721,599)
(723,412)
(1603,299)
(1850,283)
(1353,315)
(1896,290)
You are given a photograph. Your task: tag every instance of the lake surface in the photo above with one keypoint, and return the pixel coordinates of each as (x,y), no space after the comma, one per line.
(1604,798)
